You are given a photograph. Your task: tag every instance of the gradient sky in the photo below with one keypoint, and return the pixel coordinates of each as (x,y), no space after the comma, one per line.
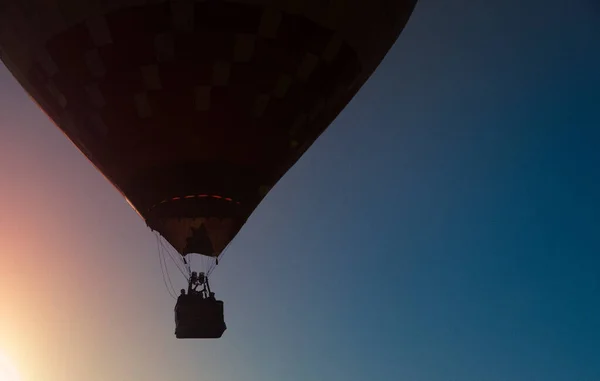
(445,228)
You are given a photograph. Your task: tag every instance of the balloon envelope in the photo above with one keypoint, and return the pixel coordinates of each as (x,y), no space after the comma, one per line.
(195,109)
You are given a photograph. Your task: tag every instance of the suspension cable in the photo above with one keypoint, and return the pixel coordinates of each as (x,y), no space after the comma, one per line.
(218,258)
(176,257)
(188,265)
(178,265)
(162,269)
(164,259)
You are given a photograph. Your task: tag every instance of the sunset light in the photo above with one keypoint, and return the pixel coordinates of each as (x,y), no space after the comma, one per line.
(7,371)
(291,190)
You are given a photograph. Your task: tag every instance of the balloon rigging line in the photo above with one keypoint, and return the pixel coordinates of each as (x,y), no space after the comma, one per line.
(168,275)
(220,256)
(174,260)
(162,270)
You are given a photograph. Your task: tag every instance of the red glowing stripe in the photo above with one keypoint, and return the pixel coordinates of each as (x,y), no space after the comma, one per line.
(177,198)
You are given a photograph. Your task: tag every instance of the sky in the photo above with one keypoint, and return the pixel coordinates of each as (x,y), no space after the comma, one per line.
(444,228)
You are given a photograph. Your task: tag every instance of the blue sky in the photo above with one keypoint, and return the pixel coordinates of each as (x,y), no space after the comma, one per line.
(446,227)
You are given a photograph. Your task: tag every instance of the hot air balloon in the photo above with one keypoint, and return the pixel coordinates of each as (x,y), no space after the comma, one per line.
(194,109)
